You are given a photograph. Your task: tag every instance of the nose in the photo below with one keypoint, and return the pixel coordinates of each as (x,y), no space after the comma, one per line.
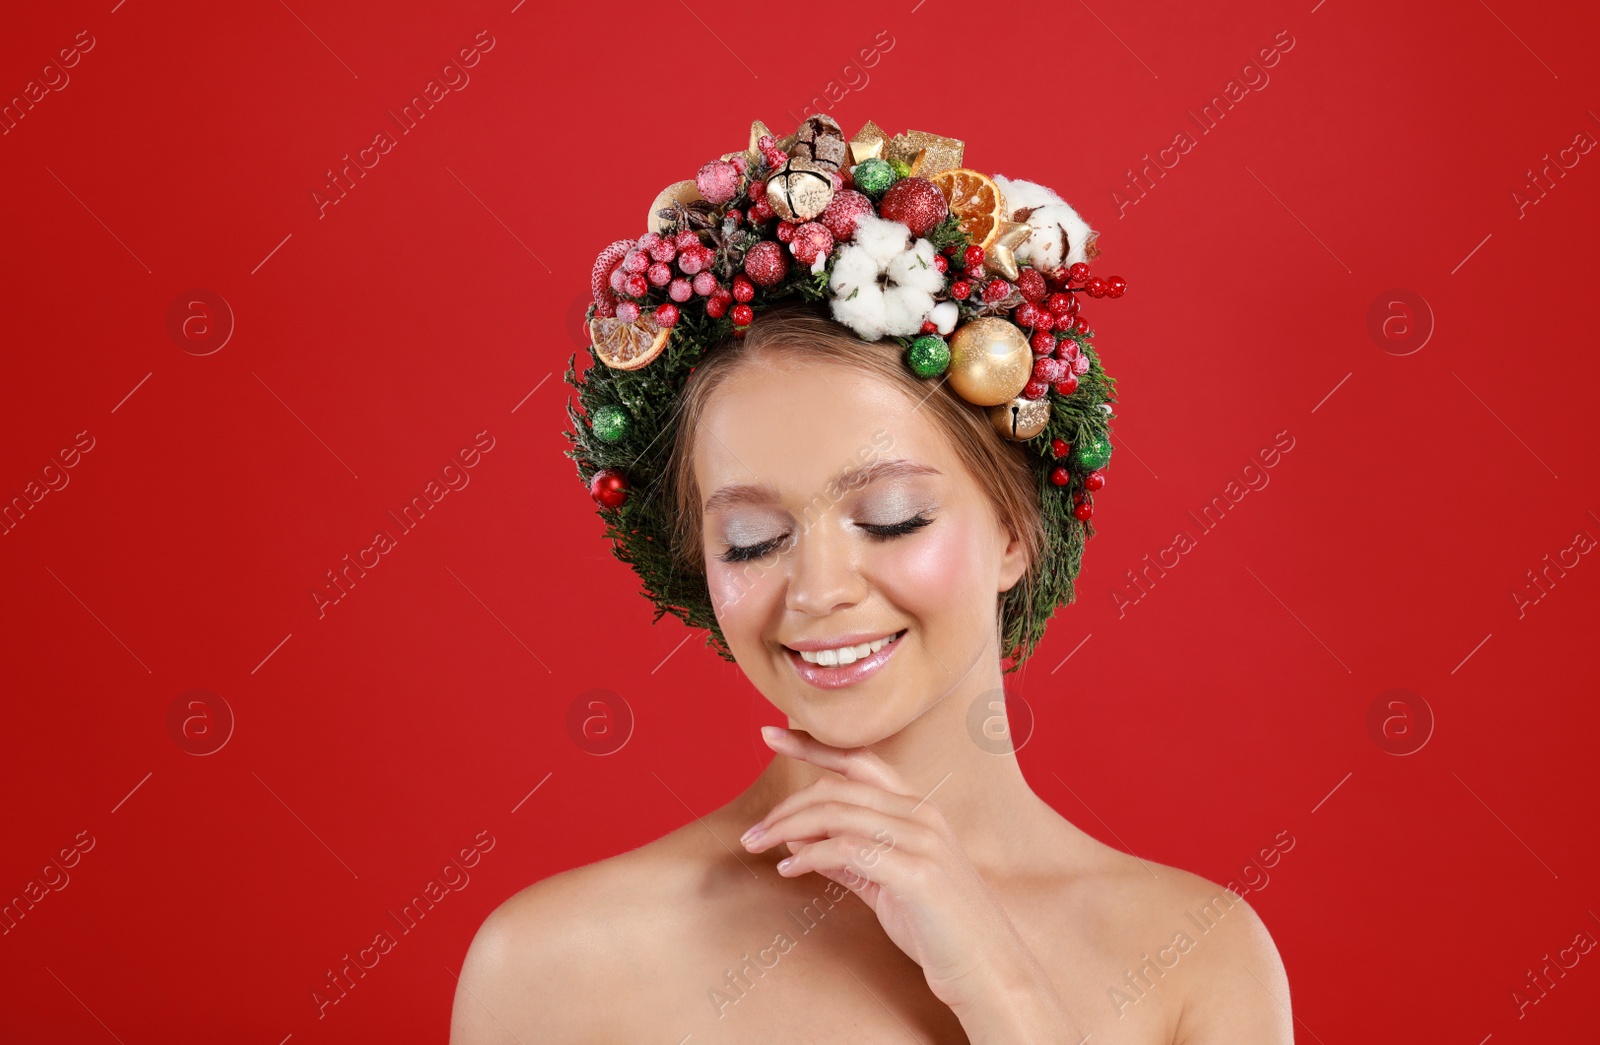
(822,578)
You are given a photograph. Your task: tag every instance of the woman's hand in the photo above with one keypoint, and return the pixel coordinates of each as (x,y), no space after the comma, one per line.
(874,834)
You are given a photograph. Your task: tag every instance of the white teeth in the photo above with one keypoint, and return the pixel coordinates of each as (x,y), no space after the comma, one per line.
(829,658)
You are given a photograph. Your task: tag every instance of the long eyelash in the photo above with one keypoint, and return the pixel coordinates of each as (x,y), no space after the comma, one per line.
(888,531)
(899,529)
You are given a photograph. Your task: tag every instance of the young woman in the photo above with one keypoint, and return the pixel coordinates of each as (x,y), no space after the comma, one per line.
(866,541)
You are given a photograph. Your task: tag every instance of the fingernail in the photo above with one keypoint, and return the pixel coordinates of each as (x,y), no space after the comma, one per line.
(783,865)
(752,834)
(771,733)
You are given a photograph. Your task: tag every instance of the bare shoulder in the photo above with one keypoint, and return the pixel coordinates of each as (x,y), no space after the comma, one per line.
(1224,964)
(547,964)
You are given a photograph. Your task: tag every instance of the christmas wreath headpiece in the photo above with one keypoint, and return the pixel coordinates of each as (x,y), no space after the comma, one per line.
(979,279)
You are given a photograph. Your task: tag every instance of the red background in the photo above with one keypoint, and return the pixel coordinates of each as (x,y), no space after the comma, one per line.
(440,300)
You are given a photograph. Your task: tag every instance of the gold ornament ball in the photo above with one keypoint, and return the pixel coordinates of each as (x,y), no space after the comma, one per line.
(684,192)
(800,191)
(990,361)
(1020,418)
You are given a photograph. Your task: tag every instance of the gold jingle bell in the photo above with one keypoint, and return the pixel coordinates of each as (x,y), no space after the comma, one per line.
(801,190)
(1021,418)
(990,361)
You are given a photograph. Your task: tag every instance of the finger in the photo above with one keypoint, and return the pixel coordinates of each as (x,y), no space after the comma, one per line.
(841,856)
(855,763)
(831,819)
(833,788)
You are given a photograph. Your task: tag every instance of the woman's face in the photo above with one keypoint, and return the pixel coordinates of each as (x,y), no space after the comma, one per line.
(837,514)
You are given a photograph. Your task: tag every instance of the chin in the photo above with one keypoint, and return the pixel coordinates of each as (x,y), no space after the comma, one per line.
(839,711)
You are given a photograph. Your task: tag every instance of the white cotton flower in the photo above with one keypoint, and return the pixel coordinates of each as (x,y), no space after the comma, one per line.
(944,316)
(880,286)
(881,238)
(1060,236)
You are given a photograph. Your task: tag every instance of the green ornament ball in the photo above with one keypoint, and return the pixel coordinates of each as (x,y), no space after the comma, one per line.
(611,423)
(929,356)
(1092,453)
(873,177)
(901,169)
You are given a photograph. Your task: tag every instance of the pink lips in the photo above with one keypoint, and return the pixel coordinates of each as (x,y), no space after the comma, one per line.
(846,675)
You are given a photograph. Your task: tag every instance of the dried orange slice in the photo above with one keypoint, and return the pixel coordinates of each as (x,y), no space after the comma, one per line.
(976,200)
(628,346)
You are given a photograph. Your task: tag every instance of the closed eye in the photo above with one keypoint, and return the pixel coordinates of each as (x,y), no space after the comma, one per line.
(878,531)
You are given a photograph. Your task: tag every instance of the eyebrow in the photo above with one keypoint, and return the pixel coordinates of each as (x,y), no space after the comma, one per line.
(765,493)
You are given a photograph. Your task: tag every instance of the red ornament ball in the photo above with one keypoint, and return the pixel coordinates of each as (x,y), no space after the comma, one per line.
(810,242)
(742,315)
(1094,480)
(760,212)
(766,263)
(718,181)
(1035,389)
(666,316)
(1116,286)
(1083,511)
(1031,283)
(915,203)
(1078,272)
(961,290)
(1067,383)
(1059,475)
(659,274)
(785,231)
(743,289)
(716,308)
(704,284)
(635,261)
(973,257)
(843,212)
(680,290)
(1059,304)
(609,487)
(995,289)
(1060,447)
(1097,287)
(627,311)
(1043,343)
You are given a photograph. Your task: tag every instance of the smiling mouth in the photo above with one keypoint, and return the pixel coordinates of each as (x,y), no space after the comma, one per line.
(844,656)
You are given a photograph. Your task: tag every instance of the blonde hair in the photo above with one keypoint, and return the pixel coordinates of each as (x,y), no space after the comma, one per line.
(999,466)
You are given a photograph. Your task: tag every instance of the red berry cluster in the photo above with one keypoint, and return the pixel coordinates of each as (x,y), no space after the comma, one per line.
(1081,508)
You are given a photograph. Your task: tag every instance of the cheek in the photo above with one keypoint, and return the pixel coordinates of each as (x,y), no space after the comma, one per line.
(931,572)
(742,592)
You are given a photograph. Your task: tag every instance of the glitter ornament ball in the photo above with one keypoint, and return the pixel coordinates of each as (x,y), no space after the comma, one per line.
(718,181)
(873,177)
(810,242)
(843,212)
(928,356)
(609,488)
(915,203)
(1092,453)
(990,361)
(612,423)
(766,264)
